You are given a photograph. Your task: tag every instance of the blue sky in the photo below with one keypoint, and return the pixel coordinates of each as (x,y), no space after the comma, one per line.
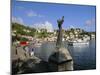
(31,13)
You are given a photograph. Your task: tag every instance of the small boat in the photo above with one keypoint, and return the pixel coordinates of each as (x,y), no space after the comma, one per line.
(78,42)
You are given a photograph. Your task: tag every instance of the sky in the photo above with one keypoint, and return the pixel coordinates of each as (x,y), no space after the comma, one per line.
(35,14)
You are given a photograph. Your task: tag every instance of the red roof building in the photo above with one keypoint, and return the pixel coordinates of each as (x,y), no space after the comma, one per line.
(23,43)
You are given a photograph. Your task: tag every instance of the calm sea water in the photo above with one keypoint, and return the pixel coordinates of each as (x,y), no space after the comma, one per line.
(84,56)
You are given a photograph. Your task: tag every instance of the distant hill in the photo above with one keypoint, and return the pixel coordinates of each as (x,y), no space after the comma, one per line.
(23,30)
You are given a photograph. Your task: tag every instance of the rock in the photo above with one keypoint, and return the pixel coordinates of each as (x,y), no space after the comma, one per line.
(61,60)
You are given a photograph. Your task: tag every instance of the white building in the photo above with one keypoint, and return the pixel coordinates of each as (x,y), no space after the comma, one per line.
(26,30)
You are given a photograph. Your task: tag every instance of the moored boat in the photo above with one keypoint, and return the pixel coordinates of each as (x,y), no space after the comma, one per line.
(78,42)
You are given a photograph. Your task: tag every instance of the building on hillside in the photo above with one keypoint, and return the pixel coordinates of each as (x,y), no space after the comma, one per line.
(26,30)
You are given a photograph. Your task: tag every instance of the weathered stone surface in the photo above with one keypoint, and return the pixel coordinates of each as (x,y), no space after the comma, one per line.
(66,55)
(22,61)
(61,60)
(20,53)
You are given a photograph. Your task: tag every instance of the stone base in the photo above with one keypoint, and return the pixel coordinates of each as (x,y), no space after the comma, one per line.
(61,60)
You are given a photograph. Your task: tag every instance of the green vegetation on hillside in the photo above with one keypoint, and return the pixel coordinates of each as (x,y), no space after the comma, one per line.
(20,29)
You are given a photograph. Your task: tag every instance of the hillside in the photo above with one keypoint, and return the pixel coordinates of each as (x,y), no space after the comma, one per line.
(23,30)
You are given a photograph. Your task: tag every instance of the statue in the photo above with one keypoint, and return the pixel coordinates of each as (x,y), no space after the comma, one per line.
(60,58)
(59,38)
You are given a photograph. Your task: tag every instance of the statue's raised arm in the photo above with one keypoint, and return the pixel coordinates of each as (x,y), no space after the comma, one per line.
(60,22)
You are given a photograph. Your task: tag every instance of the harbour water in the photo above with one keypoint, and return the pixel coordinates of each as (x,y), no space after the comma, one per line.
(84,56)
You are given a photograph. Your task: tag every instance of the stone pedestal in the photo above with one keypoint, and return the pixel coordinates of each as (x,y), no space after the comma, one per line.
(61,60)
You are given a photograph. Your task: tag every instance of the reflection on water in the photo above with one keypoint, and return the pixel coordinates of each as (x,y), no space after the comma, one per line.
(84,56)
(45,50)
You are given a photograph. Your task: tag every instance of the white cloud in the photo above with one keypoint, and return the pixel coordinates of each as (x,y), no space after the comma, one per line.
(71,26)
(17,20)
(32,14)
(46,25)
(90,21)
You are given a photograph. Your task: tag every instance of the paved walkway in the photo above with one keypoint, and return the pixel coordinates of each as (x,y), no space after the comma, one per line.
(19,52)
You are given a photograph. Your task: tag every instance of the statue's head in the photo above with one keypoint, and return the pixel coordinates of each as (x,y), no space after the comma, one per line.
(63,17)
